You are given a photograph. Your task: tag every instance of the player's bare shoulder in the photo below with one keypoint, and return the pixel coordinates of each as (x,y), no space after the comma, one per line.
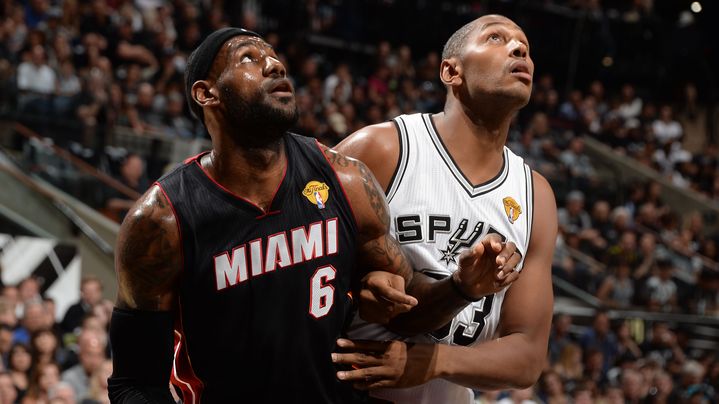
(377,146)
(148,256)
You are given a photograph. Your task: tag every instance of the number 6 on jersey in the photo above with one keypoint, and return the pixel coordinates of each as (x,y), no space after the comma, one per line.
(322,293)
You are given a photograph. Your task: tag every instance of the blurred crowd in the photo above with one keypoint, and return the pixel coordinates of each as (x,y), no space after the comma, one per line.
(49,361)
(89,66)
(611,361)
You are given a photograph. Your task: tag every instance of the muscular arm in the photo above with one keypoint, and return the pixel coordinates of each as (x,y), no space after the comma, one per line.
(378,251)
(516,358)
(378,147)
(148,265)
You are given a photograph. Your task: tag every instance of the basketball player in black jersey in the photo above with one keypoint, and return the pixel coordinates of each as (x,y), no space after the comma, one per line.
(240,264)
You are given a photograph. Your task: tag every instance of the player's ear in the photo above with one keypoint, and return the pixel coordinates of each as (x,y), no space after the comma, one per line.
(450,72)
(205,94)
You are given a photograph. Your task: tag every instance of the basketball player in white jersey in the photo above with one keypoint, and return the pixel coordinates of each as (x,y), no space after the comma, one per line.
(450,181)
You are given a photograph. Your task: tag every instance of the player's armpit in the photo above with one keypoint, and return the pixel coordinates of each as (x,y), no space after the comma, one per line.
(516,358)
(148,256)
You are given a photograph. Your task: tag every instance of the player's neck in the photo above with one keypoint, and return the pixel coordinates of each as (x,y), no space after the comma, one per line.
(253,172)
(482,128)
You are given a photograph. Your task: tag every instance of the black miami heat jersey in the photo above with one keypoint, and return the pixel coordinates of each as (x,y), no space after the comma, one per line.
(264,295)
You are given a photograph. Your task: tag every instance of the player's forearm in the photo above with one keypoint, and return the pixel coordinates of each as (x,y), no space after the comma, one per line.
(438,304)
(514,361)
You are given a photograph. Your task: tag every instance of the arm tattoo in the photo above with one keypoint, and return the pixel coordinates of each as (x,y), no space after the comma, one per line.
(382,252)
(148,261)
(372,188)
(385,254)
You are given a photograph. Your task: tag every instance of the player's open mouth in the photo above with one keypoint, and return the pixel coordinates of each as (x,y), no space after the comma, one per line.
(283,88)
(520,70)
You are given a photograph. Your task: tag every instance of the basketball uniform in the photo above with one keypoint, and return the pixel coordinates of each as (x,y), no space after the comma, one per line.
(263,296)
(436,214)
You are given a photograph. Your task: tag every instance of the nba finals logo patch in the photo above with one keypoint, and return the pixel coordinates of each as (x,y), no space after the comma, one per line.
(317,192)
(512,209)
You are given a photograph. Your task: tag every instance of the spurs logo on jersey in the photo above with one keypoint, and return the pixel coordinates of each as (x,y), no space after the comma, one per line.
(410,230)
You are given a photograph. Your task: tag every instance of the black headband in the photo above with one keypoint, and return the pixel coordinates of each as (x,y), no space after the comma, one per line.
(200,62)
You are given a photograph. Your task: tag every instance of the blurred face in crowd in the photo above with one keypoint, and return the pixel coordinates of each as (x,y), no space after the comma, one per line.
(20,358)
(131,170)
(92,353)
(45,342)
(5,340)
(495,61)
(28,289)
(34,319)
(49,376)
(91,291)
(253,88)
(8,394)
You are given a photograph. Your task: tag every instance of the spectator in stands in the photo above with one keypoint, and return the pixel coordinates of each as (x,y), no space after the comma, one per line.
(560,335)
(46,348)
(665,129)
(662,344)
(34,320)
(174,122)
(628,350)
(581,171)
(661,289)
(132,174)
(36,82)
(633,386)
(630,106)
(143,116)
(6,337)
(572,218)
(624,250)
(68,87)
(90,295)
(44,378)
(662,389)
(693,118)
(91,355)
(570,366)
(19,362)
(617,289)
(62,393)
(98,393)
(8,393)
(551,389)
(601,337)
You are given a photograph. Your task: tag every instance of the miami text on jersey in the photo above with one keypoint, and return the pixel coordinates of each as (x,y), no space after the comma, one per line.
(279,250)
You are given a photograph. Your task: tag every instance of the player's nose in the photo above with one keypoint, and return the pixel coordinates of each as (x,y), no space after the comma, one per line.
(273,67)
(517,49)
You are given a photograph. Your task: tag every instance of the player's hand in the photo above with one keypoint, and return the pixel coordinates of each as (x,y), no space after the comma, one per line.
(382,297)
(381,364)
(487,267)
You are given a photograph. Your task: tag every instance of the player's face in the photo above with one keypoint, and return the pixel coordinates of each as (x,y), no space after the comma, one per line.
(496,60)
(254,88)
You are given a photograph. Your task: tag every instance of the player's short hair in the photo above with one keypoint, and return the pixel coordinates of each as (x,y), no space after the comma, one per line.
(455,43)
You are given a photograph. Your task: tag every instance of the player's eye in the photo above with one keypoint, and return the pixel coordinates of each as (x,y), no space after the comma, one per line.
(247,59)
(494,37)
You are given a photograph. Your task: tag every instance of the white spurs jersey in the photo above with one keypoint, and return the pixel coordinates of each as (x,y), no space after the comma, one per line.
(436,214)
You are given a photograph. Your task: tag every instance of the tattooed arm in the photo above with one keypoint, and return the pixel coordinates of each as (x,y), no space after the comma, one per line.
(380,258)
(148,266)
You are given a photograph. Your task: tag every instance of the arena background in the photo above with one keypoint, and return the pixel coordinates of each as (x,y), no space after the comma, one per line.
(623,121)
